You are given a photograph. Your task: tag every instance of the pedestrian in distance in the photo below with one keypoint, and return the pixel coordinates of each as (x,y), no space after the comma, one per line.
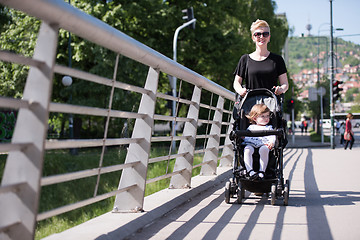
(342,131)
(261,68)
(302,127)
(259,118)
(289,127)
(338,124)
(349,134)
(305,124)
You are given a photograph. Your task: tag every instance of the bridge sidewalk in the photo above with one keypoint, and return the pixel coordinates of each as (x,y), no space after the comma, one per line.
(120,225)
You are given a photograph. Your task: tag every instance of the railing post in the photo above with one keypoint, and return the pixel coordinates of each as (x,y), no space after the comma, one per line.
(24,168)
(183,180)
(213,141)
(133,199)
(228,152)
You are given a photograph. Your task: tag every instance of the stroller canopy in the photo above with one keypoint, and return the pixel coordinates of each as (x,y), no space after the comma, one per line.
(258,96)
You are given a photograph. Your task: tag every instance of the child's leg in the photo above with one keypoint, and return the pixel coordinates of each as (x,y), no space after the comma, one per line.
(248,159)
(264,159)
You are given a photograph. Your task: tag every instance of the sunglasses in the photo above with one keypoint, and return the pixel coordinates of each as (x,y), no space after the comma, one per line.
(264,34)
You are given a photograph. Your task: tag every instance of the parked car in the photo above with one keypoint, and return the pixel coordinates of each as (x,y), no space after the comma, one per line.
(327,123)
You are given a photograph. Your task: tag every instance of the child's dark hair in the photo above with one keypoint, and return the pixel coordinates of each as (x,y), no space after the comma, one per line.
(257,110)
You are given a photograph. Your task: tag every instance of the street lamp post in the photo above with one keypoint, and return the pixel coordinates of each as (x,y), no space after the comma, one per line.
(318,74)
(332,135)
(318,82)
(67,81)
(173,80)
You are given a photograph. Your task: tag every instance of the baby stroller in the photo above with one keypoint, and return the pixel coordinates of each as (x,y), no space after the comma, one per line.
(273,182)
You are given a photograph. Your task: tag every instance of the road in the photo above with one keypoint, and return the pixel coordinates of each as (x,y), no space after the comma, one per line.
(324,204)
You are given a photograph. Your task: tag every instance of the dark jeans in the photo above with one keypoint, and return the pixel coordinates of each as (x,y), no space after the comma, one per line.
(349,141)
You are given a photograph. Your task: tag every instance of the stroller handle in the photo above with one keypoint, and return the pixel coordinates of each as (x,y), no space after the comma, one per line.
(258,133)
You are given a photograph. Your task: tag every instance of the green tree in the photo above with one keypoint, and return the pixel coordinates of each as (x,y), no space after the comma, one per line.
(356,107)
(349,95)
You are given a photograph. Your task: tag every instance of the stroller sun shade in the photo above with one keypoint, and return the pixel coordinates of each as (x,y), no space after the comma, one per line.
(258,96)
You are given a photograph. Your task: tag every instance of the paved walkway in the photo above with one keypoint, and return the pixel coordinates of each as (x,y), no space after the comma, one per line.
(304,141)
(323,205)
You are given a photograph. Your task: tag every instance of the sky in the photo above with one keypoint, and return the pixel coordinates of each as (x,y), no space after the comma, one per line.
(317,13)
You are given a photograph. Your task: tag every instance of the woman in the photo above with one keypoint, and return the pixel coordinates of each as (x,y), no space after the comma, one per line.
(262,68)
(348,129)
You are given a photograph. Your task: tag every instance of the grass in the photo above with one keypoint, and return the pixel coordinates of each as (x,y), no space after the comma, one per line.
(60,161)
(317,137)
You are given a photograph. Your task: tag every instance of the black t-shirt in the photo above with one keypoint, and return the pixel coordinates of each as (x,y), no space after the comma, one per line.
(261,74)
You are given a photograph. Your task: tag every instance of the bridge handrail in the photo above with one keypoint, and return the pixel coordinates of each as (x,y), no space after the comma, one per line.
(57,13)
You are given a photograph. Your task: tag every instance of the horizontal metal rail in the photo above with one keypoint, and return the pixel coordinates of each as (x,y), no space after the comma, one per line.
(80,204)
(15,58)
(202,164)
(169,97)
(97,79)
(167,157)
(205,136)
(165,176)
(168,138)
(207,121)
(13,103)
(210,107)
(171,118)
(7,147)
(81,110)
(83,174)
(203,150)
(82,143)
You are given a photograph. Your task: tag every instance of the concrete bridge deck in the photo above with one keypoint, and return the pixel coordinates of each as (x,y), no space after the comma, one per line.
(324,204)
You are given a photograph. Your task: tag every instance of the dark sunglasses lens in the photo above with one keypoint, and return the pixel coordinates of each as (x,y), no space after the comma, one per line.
(258,34)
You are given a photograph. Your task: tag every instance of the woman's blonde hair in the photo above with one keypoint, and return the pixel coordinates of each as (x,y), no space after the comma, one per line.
(257,110)
(258,24)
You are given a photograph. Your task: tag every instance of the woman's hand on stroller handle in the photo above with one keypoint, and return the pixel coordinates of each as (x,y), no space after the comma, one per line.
(243,91)
(277,90)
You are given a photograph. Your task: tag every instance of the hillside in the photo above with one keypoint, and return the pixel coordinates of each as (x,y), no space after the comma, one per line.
(304,66)
(303,52)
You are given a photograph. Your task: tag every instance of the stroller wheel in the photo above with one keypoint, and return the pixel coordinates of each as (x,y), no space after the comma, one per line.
(227,192)
(240,194)
(286,192)
(273,194)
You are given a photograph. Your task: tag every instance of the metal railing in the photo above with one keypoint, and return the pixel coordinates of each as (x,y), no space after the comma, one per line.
(22,179)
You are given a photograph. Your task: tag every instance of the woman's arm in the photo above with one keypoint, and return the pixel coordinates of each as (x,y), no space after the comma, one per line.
(284,84)
(237,86)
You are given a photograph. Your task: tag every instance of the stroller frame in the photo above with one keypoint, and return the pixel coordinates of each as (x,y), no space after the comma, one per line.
(274,180)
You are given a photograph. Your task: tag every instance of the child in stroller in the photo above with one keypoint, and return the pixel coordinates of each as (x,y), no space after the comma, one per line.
(259,118)
(271,177)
